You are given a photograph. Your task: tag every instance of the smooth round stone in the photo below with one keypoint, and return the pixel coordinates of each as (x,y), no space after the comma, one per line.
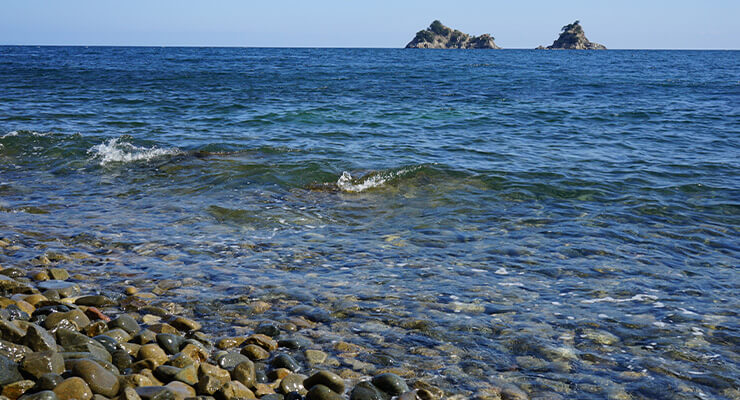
(181,390)
(211,378)
(245,373)
(9,331)
(144,337)
(268,329)
(153,352)
(39,339)
(44,362)
(8,371)
(390,383)
(321,392)
(60,274)
(285,361)
(17,389)
(76,315)
(315,356)
(169,342)
(263,341)
(100,380)
(367,391)
(261,377)
(235,390)
(185,324)
(120,335)
(108,342)
(43,395)
(326,378)
(73,388)
(293,383)
(13,272)
(155,393)
(275,396)
(255,353)
(64,288)
(121,359)
(48,381)
(93,301)
(230,360)
(125,322)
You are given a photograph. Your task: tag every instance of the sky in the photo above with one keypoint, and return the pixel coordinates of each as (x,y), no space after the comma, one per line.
(618,24)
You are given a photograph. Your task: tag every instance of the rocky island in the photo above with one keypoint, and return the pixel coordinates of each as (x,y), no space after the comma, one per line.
(438,36)
(572,37)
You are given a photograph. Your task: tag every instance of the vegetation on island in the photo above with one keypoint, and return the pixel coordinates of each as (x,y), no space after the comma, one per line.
(439,36)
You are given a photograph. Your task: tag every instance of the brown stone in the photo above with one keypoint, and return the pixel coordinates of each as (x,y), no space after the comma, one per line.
(263,341)
(255,353)
(100,380)
(17,389)
(73,388)
(153,352)
(235,390)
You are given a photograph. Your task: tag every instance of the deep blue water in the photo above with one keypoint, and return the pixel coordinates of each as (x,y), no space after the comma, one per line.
(564,221)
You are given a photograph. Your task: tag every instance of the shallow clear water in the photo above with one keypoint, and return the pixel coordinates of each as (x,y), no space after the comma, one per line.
(566,221)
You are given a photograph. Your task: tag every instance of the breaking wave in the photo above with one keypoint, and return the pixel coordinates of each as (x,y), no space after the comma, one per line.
(118,151)
(347,183)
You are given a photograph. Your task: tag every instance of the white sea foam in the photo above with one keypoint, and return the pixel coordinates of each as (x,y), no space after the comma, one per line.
(16,133)
(346,184)
(117,151)
(637,297)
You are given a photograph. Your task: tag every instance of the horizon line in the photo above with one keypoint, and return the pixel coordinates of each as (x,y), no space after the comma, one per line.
(344,47)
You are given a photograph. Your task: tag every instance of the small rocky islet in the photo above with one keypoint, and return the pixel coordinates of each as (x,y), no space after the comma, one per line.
(572,37)
(58,343)
(439,36)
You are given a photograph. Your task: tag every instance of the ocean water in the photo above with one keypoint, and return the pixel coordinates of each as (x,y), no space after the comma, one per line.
(566,222)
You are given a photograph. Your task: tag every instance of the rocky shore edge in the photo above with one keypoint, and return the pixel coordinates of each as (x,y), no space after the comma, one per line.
(58,343)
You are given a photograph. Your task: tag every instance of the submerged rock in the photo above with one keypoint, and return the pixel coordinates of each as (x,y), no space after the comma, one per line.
(572,37)
(438,36)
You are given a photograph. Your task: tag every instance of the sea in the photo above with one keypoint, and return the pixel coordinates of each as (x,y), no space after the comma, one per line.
(566,222)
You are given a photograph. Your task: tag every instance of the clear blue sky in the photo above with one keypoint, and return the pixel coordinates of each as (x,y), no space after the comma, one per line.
(630,24)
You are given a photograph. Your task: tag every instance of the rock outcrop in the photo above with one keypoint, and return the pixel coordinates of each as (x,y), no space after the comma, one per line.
(572,37)
(438,36)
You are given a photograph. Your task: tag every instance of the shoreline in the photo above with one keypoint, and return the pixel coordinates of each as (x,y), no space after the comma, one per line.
(46,300)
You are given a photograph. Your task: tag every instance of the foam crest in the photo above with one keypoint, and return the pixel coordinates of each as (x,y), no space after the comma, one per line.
(118,151)
(348,184)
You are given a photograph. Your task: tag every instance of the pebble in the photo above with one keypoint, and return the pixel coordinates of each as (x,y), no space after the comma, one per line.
(16,389)
(73,388)
(263,341)
(293,383)
(125,322)
(367,391)
(41,363)
(390,383)
(43,395)
(229,361)
(153,352)
(326,378)
(321,392)
(245,373)
(169,342)
(284,361)
(185,324)
(255,353)
(211,378)
(235,390)
(315,356)
(100,380)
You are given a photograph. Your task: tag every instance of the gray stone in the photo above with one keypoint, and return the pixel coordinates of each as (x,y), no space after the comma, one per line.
(13,351)
(41,363)
(39,339)
(321,392)
(284,361)
(169,342)
(64,288)
(245,373)
(8,371)
(100,380)
(390,383)
(230,360)
(367,391)
(326,378)
(43,395)
(125,322)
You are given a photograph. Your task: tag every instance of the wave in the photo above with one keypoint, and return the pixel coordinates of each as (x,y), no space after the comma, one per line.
(374,180)
(119,151)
